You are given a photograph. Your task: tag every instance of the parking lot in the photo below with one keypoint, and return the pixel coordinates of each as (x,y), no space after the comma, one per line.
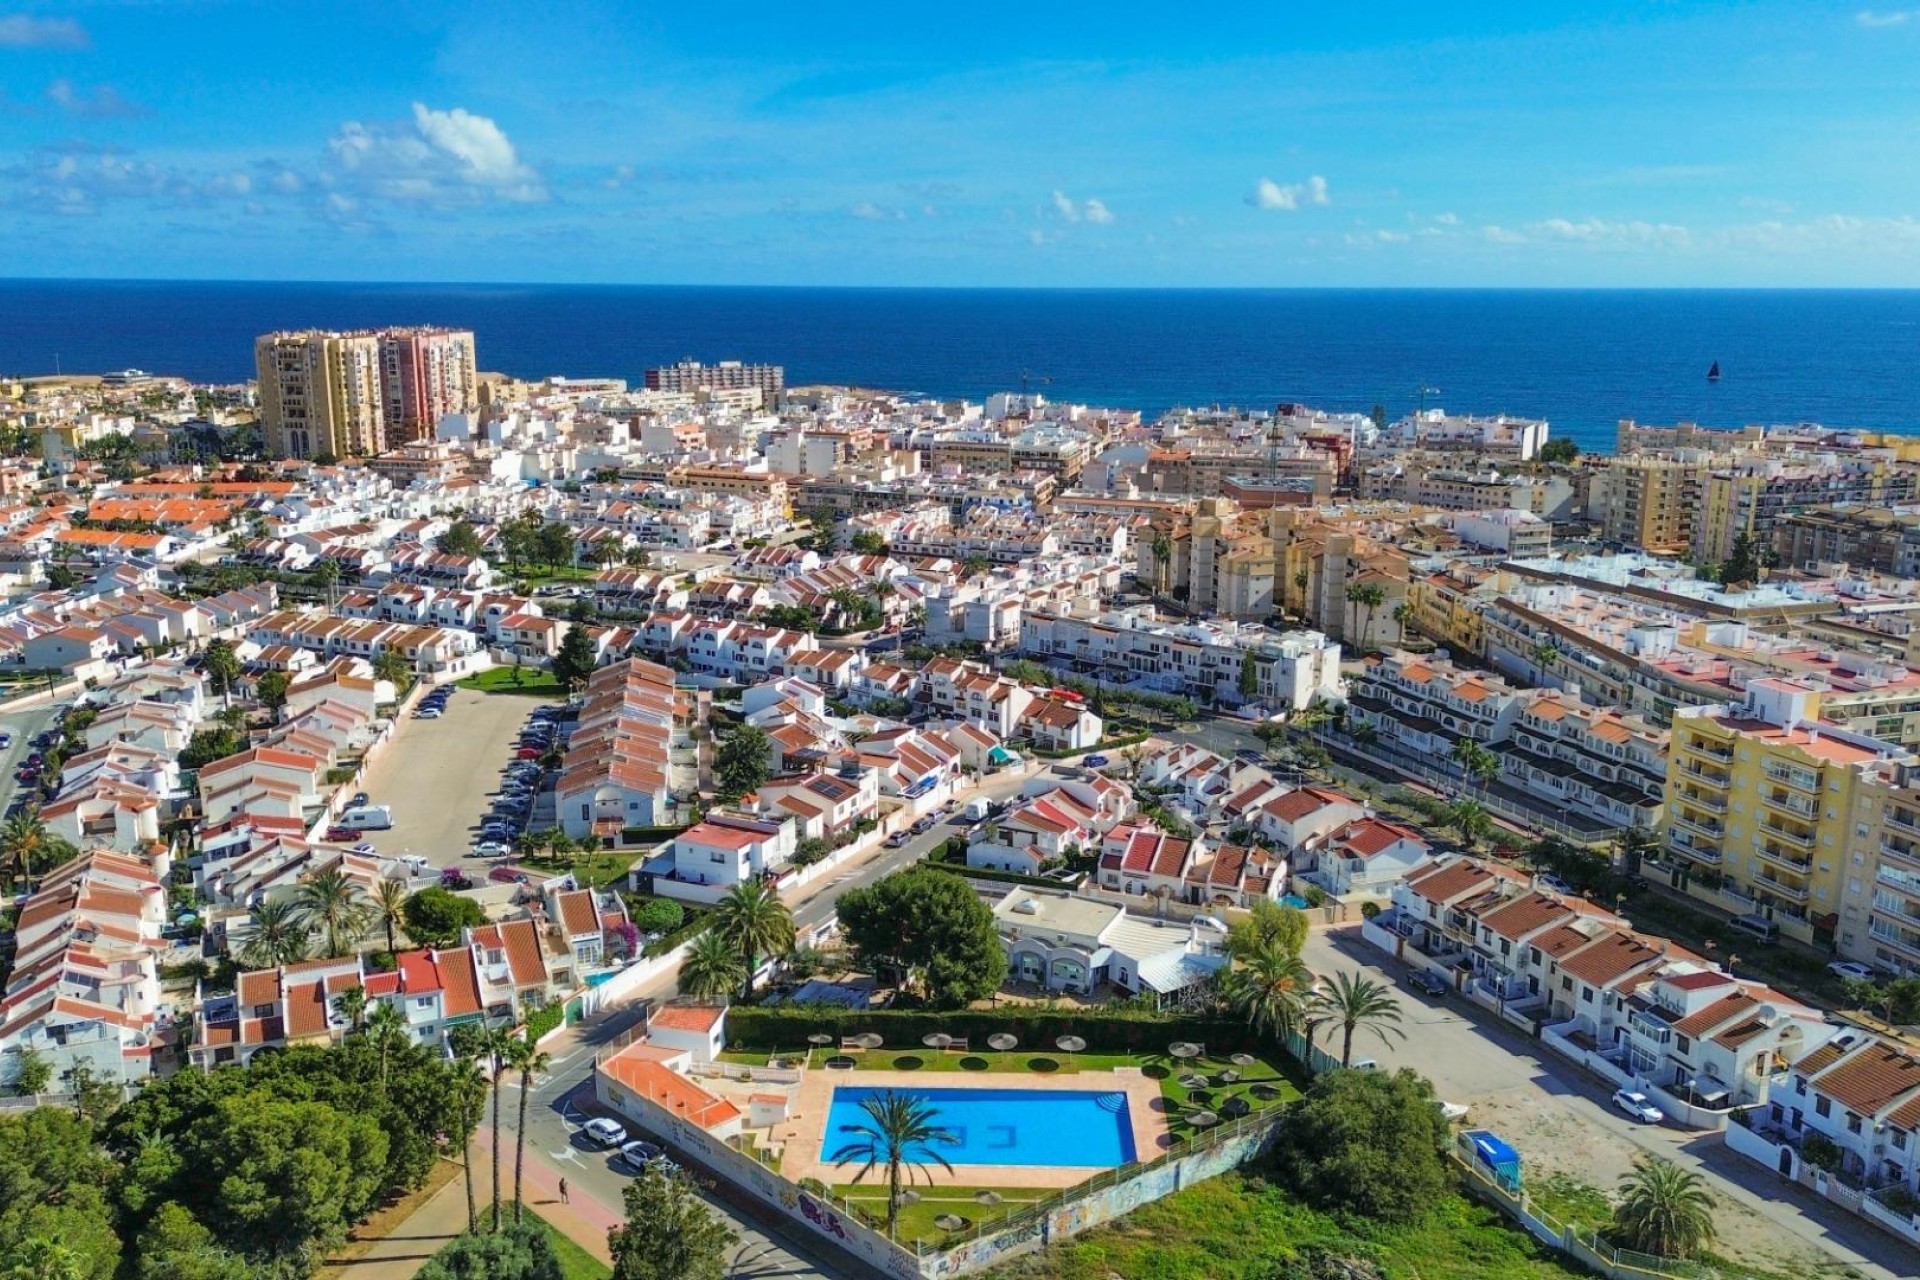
(22,727)
(439,776)
(1559,1118)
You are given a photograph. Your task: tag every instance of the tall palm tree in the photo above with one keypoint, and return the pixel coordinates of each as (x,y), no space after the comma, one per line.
(1354,1002)
(1162,556)
(23,837)
(1368,596)
(390,908)
(280,936)
(332,903)
(386,1027)
(757,923)
(900,1133)
(469,1087)
(526,1057)
(1403,616)
(1664,1210)
(1270,987)
(1469,818)
(711,967)
(1479,764)
(496,1043)
(1544,655)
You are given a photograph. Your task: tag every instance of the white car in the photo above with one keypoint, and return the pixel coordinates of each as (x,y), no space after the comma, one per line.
(1852,970)
(603,1132)
(427,713)
(415,863)
(1636,1104)
(365,847)
(492,849)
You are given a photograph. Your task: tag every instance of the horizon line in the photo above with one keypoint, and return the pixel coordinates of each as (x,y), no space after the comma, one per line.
(959,288)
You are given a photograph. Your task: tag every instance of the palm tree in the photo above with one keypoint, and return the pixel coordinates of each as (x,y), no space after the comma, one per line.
(389,908)
(1353,1003)
(901,1134)
(496,1043)
(351,1007)
(1368,596)
(332,903)
(1270,987)
(1480,765)
(755,921)
(1664,1210)
(280,936)
(1469,818)
(1162,557)
(1544,655)
(392,666)
(23,837)
(386,1027)
(1403,616)
(468,1084)
(711,968)
(524,1056)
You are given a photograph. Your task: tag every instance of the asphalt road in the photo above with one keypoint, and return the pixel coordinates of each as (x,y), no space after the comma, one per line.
(23,725)
(1473,1057)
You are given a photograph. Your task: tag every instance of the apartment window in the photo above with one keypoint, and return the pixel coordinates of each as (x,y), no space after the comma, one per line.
(1533,955)
(1681,1045)
(1506,948)
(1823,1106)
(1800,1085)
(1899,1139)
(1586,995)
(1566,984)
(1853,1123)
(423,1002)
(263,1011)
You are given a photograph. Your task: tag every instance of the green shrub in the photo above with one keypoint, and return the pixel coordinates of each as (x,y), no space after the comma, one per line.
(545,1019)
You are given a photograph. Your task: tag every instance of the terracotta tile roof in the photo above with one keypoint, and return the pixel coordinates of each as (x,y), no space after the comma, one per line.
(1444,884)
(1526,915)
(576,912)
(669,1090)
(1716,1014)
(1611,958)
(686,1017)
(1870,1079)
(1820,1059)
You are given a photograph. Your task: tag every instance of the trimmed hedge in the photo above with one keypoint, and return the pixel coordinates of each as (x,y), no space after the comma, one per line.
(989,873)
(757,1027)
(545,1019)
(696,922)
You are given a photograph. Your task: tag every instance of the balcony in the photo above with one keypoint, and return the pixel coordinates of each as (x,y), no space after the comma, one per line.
(1799,806)
(1712,778)
(1900,820)
(1798,839)
(1687,847)
(1895,937)
(1800,779)
(1902,849)
(1780,889)
(1704,800)
(1712,830)
(1779,856)
(1701,747)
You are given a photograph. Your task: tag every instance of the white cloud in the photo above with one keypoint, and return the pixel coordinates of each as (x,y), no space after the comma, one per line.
(1268,194)
(19,31)
(103,103)
(1885,17)
(1391,237)
(1094,211)
(1621,235)
(437,158)
(868,211)
(1448,219)
(1501,235)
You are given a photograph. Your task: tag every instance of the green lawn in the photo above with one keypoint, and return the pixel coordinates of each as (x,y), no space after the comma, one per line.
(597,870)
(1240,1227)
(917,1218)
(534,682)
(575,1262)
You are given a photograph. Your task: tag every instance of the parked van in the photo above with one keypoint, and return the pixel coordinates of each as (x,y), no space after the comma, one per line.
(372,817)
(1758,927)
(977,808)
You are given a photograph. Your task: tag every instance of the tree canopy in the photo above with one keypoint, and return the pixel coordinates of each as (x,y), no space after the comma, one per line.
(1369,1143)
(928,928)
(519,1251)
(1269,924)
(435,916)
(743,761)
(575,662)
(669,1233)
(460,539)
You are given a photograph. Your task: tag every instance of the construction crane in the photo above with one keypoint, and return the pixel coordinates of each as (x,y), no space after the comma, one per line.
(1027,377)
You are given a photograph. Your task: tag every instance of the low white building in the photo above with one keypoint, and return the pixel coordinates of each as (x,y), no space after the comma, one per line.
(1062,942)
(728,850)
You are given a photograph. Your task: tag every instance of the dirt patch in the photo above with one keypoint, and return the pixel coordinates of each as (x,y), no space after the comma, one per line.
(382,1223)
(1554,1141)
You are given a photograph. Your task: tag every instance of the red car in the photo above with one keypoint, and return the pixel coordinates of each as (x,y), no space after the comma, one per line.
(508,875)
(529,753)
(341,833)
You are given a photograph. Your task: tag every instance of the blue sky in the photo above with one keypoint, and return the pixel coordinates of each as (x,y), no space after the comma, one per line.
(992,143)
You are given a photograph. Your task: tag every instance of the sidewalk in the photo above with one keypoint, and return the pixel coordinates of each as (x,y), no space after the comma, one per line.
(404,1250)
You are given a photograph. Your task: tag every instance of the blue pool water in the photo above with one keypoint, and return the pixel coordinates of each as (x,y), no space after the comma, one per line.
(1006,1126)
(1294,900)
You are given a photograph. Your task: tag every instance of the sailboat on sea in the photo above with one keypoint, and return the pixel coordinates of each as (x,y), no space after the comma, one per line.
(1713,372)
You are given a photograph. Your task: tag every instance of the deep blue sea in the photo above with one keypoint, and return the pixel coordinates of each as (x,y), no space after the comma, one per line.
(1581,359)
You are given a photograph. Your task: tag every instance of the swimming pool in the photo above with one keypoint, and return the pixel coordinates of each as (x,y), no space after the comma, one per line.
(1006,1126)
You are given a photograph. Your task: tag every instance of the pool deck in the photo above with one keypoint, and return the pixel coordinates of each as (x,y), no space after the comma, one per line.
(802,1134)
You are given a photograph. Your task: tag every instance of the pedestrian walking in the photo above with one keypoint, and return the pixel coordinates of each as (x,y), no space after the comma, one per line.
(563,1192)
